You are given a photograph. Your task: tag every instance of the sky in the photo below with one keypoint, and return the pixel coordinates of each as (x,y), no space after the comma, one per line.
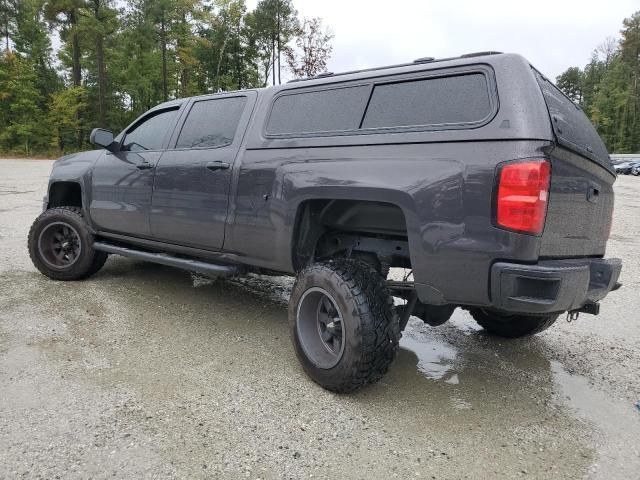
(552,34)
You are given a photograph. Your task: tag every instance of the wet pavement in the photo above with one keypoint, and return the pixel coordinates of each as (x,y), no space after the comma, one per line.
(146,371)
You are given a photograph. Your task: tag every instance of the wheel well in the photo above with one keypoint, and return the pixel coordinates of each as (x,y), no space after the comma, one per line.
(329,228)
(65,194)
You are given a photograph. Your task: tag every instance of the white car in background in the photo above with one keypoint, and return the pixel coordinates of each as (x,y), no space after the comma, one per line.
(627,168)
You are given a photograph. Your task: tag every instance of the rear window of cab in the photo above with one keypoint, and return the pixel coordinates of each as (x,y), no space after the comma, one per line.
(434,102)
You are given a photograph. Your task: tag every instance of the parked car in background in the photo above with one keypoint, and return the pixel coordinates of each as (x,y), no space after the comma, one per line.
(627,168)
(625,163)
(619,167)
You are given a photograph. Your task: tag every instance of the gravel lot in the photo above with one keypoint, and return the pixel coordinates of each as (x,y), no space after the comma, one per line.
(146,371)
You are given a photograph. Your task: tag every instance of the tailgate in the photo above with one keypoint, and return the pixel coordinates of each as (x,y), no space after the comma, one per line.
(580,207)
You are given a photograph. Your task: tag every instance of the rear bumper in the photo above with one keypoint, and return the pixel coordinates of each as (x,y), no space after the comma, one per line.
(552,286)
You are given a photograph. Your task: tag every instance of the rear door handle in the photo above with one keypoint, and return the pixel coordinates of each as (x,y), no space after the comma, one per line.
(216,165)
(144,166)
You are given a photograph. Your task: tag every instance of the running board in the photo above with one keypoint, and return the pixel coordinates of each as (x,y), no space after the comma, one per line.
(394,285)
(197,266)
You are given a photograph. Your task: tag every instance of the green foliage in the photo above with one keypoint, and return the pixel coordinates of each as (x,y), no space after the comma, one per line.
(272,25)
(571,82)
(118,58)
(66,117)
(608,89)
(22,130)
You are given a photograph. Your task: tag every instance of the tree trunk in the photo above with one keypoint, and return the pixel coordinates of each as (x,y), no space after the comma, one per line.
(6,30)
(6,7)
(221,55)
(76,72)
(102,80)
(102,75)
(273,60)
(265,83)
(184,67)
(238,58)
(278,41)
(163,41)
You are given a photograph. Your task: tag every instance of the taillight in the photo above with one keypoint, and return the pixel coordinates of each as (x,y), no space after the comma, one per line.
(523,190)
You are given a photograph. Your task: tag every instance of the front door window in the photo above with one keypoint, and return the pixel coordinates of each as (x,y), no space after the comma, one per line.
(149,134)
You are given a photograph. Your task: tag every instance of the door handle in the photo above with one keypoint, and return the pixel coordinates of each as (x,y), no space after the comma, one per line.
(144,166)
(216,165)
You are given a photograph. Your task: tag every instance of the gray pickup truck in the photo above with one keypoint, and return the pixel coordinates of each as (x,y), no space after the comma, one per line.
(475,172)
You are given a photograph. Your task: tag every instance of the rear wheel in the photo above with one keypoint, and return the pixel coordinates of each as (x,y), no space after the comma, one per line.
(512,326)
(343,326)
(61,245)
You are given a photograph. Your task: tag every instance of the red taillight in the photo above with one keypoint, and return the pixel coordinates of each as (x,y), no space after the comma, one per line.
(523,190)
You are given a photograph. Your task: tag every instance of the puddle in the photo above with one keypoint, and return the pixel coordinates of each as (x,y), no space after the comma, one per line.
(617,424)
(435,357)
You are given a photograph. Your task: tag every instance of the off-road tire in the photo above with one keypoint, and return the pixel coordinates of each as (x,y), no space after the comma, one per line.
(89,260)
(370,327)
(512,326)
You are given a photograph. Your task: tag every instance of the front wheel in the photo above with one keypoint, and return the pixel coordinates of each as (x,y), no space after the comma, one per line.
(61,245)
(343,326)
(511,325)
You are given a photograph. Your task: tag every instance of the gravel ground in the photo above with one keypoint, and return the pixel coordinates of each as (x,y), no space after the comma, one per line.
(146,371)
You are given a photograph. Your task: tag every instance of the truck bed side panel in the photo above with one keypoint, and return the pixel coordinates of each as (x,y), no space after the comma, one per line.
(444,190)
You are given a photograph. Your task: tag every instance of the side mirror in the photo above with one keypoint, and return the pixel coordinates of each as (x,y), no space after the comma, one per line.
(102,138)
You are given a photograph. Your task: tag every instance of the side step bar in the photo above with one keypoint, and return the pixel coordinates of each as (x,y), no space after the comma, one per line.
(197,266)
(394,285)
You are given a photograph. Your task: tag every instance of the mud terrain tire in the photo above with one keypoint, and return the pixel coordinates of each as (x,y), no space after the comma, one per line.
(365,331)
(61,245)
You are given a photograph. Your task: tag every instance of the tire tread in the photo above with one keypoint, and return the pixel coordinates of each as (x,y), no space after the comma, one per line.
(76,214)
(379,327)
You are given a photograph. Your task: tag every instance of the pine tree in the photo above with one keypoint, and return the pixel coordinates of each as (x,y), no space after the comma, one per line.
(23,129)
(64,14)
(608,88)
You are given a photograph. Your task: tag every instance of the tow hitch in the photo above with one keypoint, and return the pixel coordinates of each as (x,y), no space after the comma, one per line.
(591,308)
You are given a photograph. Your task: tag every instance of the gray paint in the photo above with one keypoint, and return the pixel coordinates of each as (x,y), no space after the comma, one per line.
(442,180)
(191,189)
